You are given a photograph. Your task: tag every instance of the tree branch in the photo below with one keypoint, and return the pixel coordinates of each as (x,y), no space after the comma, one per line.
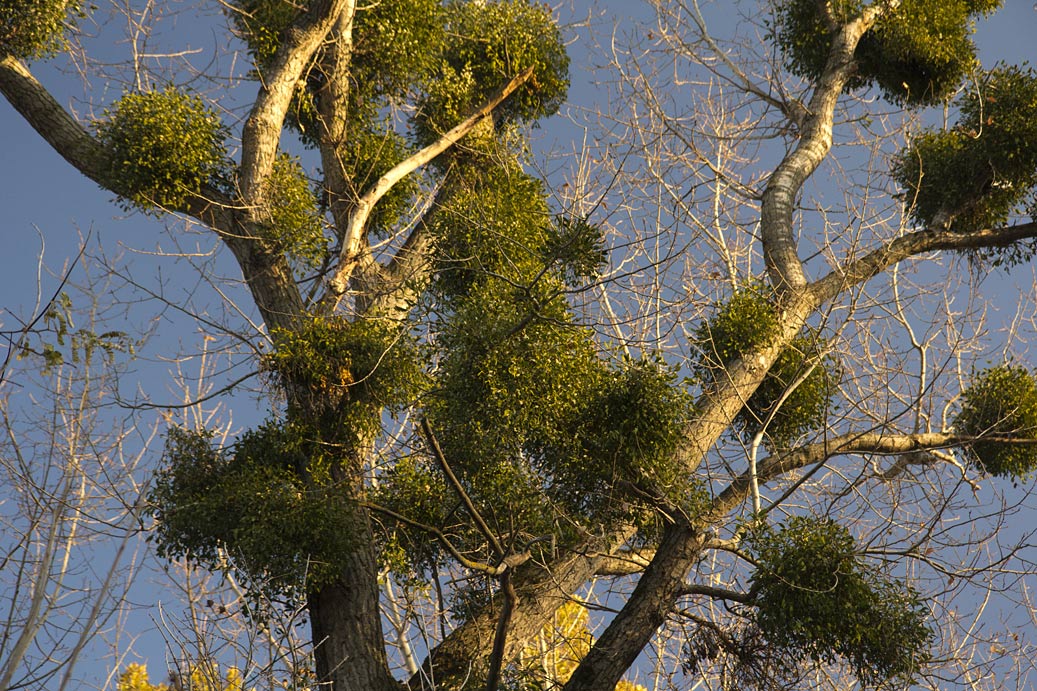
(912,244)
(717,593)
(426,428)
(873,443)
(267,274)
(464,561)
(776,212)
(262,131)
(354,237)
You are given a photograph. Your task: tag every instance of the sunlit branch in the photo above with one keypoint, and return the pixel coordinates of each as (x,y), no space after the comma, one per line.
(262,131)
(354,235)
(913,244)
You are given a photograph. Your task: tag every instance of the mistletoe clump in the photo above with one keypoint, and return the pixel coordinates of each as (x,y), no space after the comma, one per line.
(1001,402)
(747,321)
(977,174)
(250,508)
(488,44)
(816,598)
(35,28)
(161,147)
(628,440)
(917,54)
(347,371)
(295,221)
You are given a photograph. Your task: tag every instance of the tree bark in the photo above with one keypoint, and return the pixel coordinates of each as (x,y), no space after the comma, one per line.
(346,623)
(634,626)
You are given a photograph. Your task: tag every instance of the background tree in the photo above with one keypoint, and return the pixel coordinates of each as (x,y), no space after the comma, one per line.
(71,498)
(475,405)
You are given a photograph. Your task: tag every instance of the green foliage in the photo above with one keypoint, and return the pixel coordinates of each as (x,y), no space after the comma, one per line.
(983,170)
(162,147)
(396,45)
(513,373)
(32,29)
(625,445)
(1001,401)
(367,156)
(283,534)
(413,487)
(917,54)
(261,23)
(577,245)
(816,598)
(748,321)
(348,371)
(494,221)
(489,43)
(296,220)
(60,341)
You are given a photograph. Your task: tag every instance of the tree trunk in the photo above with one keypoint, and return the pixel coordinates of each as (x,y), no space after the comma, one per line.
(346,623)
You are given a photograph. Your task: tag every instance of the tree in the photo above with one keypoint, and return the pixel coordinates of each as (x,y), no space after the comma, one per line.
(71,501)
(444,414)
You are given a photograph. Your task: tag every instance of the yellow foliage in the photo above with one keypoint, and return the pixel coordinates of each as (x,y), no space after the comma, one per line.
(135,678)
(199,678)
(628,686)
(562,644)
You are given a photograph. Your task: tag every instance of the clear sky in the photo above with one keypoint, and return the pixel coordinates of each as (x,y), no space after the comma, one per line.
(47,206)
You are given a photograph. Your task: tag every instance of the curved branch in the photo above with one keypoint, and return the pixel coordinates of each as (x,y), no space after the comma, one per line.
(776,213)
(354,238)
(266,273)
(75,144)
(912,244)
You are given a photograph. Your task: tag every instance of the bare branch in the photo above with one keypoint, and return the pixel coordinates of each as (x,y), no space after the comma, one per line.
(913,244)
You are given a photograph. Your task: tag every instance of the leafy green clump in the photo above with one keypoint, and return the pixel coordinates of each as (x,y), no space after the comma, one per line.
(262,23)
(494,221)
(295,215)
(489,43)
(347,371)
(249,504)
(161,147)
(816,598)
(395,46)
(416,489)
(629,436)
(578,246)
(32,29)
(918,54)
(1001,401)
(976,175)
(747,321)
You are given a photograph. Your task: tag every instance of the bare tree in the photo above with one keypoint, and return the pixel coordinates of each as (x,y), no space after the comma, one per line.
(73,488)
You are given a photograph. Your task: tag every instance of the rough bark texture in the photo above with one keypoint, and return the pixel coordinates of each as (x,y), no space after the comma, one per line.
(346,623)
(634,626)
(541,590)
